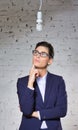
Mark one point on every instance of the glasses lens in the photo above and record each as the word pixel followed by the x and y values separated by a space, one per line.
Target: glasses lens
pixel 35 52
pixel 44 54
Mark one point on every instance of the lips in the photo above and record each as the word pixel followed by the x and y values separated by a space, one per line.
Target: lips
pixel 36 60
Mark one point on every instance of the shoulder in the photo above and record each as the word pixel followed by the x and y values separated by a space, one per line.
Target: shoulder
pixel 54 76
pixel 57 81
pixel 22 80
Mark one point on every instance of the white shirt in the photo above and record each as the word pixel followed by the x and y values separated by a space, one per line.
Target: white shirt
pixel 41 81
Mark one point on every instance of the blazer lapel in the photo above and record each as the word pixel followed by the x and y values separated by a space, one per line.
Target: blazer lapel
pixel 48 87
pixel 38 93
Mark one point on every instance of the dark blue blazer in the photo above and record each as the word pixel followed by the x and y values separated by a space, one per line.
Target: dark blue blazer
pixel 51 110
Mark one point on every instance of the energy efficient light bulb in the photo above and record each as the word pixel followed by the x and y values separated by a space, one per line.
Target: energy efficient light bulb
pixel 39 21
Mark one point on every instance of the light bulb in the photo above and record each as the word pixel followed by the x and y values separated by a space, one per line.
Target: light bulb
pixel 39 27
pixel 39 21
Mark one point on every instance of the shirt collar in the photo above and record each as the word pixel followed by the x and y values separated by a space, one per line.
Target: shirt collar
pixel 42 78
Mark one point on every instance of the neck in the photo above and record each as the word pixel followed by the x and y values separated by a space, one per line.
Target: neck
pixel 42 72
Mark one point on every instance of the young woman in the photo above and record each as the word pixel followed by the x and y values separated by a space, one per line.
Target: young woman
pixel 42 95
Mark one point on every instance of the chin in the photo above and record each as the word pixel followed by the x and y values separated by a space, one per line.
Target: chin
pixel 36 66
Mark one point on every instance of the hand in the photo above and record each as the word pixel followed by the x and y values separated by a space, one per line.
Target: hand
pixel 35 114
pixel 32 76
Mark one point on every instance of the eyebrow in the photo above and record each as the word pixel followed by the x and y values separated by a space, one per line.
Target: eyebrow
pixel 42 51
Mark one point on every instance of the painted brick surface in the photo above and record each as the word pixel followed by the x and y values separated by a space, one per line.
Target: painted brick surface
pixel 18 37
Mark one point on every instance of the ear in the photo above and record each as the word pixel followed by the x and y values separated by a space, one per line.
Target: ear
pixel 50 61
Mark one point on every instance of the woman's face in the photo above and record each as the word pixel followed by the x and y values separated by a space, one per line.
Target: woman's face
pixel 41 57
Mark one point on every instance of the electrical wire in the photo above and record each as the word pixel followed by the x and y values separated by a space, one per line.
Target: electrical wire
pixel 40 4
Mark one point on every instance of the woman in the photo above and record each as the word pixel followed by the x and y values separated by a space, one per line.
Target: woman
pixel 42 95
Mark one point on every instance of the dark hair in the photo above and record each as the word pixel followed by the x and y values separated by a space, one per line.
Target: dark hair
pixel 48 45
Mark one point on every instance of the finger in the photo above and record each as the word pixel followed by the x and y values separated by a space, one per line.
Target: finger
pixel 36 73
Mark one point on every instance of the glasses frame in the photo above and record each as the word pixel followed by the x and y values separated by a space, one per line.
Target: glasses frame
pixel 41 54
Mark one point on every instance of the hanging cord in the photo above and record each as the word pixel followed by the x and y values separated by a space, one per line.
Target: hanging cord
pixel 40 5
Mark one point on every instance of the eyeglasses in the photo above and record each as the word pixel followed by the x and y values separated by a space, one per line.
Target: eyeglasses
pixel 42 54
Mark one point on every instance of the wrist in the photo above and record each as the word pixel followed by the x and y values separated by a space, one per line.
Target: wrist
pixel 30 85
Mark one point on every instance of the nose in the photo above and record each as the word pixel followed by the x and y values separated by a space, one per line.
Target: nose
pixel 38 55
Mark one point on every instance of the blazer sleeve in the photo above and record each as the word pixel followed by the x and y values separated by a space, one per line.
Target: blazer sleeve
pixel 26 97
pixel 60 108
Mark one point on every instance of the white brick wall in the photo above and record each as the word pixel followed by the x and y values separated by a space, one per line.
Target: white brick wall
pixel 18 37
